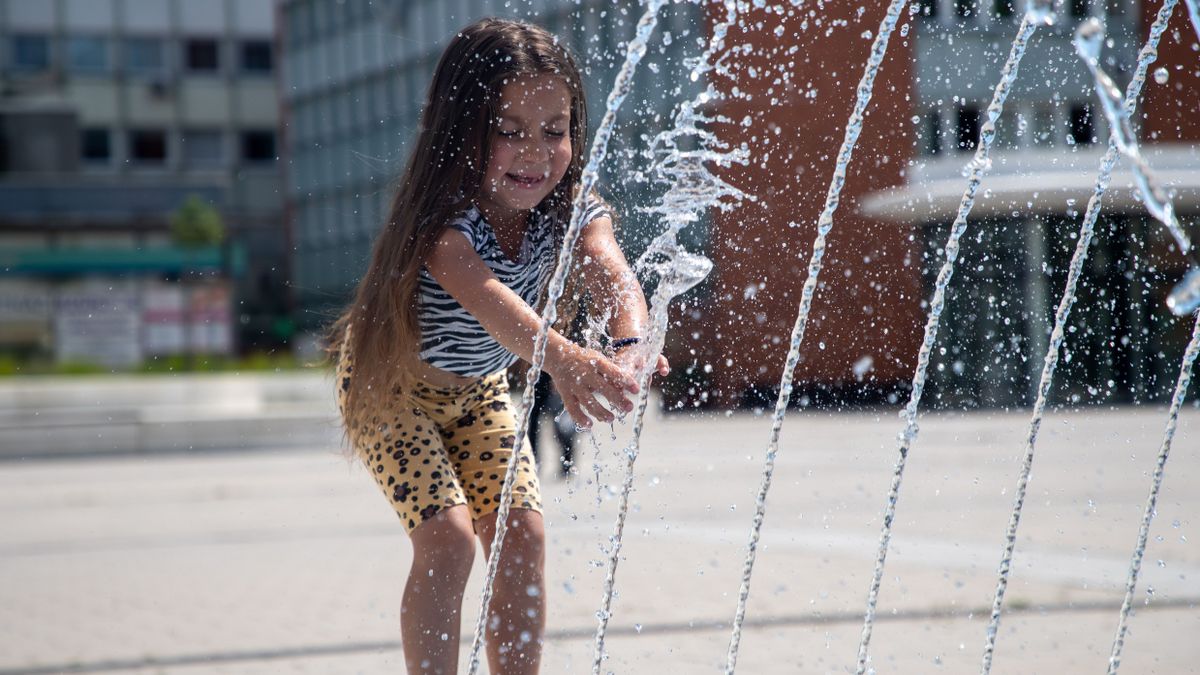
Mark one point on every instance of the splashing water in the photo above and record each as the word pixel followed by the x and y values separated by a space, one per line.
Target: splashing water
pixel 635 50
pixel 1057 336
pixel 1038 13
pixel 679 271
pixel 1139 550
pixel 824 224
pixel 1193 7
pixel 1089 38
pixel 692 189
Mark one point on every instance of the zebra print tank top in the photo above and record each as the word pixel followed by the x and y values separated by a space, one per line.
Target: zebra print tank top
pixel 451 338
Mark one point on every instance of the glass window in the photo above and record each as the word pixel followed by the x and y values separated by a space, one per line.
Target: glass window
pixel 148 146
pixel 87 54
pixel 1008 129
pixel 95 146
pixel 144 55
pixel 257 56
pixel 202 55
pixel 258 145
pixel 31 52
pixel 1043 126
pixel 968 127
pixel 933 133
pixel 203 148
pixel 1082 130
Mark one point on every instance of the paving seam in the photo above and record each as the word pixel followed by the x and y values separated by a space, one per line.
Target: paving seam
pixel 706 625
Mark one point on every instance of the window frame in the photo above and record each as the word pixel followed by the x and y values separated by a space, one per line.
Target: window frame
pixel 188 162
pixel 106 49
pixel 47 47
pixel 186 52
pixel 244 139
pixel 244 46
pixel 95 161
pixel 131 137
pixel 130 41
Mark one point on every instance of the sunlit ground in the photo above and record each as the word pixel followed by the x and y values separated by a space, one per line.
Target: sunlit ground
pixel 290 561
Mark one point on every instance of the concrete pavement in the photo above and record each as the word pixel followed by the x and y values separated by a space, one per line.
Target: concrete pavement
pixel 288 560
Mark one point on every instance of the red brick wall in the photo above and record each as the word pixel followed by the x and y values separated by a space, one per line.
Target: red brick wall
pixel 1171 112
pixel 868 301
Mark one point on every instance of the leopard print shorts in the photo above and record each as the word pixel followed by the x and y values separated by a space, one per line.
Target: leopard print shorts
pixel 442 447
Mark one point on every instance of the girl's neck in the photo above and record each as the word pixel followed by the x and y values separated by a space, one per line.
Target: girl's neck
pixel 501 217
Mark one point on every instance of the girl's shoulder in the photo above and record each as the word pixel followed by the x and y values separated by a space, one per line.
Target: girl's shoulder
pixel 594 207
pixel 469 222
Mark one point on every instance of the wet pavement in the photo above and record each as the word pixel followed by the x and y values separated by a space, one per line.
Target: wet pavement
pixel 287 559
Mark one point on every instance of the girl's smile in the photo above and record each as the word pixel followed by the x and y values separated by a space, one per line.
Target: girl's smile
pixel 527 181
pixel 530 148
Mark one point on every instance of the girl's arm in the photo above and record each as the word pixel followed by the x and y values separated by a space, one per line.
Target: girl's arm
pixel 578 373
pixel 610 280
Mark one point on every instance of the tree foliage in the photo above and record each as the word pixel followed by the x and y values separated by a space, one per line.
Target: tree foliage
pixel 197 224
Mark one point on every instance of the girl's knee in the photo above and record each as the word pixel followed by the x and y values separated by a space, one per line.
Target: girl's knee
pixel 445 543
pixel 527 528
pixel 525 544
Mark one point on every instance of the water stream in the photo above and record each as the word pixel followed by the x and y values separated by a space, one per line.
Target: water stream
pixel 692 189
pixel 634 52
pixel 1038 13
pixel 1057 336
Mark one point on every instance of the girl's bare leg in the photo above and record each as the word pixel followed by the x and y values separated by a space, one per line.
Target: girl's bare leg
pixel 443 549
pixel 517 614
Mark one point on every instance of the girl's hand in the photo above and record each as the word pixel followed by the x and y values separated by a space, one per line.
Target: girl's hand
pixel 631 360
pixel 582 375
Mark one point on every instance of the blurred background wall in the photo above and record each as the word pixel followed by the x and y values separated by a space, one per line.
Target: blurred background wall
pixel 113 113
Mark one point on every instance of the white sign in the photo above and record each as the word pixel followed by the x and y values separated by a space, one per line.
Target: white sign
pixel 98 321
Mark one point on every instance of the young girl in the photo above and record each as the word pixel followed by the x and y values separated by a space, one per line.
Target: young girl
pixel 450 300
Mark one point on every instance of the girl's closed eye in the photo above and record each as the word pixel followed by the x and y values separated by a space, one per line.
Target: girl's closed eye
pixel 518 133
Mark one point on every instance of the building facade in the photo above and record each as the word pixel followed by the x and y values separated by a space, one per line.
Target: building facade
pixel 112 114
pixel 1123 345
pixel 355 76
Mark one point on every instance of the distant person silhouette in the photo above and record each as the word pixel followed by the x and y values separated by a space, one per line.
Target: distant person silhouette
pixel 546 401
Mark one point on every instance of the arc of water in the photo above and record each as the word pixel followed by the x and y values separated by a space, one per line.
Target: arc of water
pixel 693 188
pixel 1038 13
pixel 1194 12
pixel 854 124
pixel 1058 335
pixel 681 272
pixel 1139 549
pixel 1089 39
pixel 634 52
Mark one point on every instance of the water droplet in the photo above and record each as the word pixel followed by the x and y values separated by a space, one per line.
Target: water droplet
pixel 1161 75
pixel 637 627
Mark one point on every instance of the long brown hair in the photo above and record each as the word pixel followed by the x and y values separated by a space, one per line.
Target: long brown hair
pixel 443 176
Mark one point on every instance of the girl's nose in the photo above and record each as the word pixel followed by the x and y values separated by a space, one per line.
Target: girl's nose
pixel 533 149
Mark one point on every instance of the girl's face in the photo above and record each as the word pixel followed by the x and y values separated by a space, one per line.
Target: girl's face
pixel 530 147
